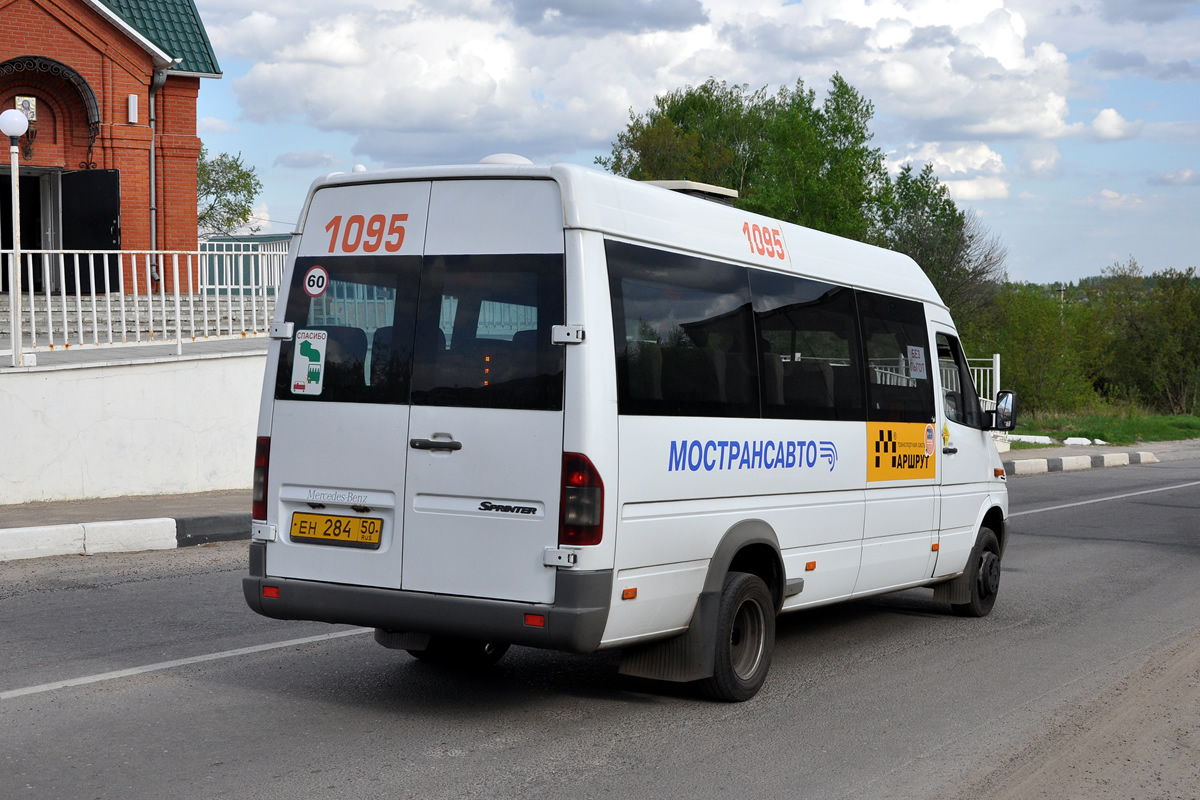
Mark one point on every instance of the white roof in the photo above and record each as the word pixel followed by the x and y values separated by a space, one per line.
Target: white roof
pixel 639 212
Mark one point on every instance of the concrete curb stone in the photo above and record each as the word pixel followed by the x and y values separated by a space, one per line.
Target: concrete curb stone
pixel 1039 466
pixel 121 536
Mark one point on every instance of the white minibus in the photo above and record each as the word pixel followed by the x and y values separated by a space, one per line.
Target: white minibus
pixel 552 407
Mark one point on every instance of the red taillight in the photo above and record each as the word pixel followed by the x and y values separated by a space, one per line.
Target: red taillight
pixel 262 455
pixel 271 592
pixel 581 512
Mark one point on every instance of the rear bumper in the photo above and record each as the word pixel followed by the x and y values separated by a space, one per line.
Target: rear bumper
pixel 575 623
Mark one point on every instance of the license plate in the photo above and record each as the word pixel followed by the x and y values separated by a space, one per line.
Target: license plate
pixel 365 532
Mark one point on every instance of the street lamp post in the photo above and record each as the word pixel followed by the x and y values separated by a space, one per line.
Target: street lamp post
pixel 13 124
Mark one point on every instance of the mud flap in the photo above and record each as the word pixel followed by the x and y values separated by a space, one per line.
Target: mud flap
pixel 687 657
pixel 955 591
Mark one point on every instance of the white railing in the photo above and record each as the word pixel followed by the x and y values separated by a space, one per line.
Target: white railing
pixel 107 298
pixel 986 374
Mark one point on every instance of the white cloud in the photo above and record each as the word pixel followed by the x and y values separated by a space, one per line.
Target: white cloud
pixel 214 125
pixel 955 158
pixel 1184 177
pixel 1109 125
pixel 978 189
pixel 309 159
pixel 1109 200
pixel 415 80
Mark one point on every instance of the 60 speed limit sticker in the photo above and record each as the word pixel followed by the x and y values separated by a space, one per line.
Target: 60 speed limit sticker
pixel 316 281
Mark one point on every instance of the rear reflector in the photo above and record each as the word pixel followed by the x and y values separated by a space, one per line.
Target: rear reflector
pixel 535 620
pixel 581 510
pixel 271 591
pixel 262 455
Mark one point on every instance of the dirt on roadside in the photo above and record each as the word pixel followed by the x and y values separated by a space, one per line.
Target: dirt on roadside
pixel 1140 739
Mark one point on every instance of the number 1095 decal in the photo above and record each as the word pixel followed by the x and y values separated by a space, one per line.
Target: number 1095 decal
pixel 764 241
pixel 366 234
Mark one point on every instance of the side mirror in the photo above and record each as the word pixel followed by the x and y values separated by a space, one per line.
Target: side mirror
pixel 1004 418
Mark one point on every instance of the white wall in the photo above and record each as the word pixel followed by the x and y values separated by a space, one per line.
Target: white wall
pixel 134 429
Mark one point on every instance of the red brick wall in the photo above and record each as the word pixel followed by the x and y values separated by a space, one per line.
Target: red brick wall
pixel 114 66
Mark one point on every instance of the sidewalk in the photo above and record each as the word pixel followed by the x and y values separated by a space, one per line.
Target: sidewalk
pixel 123 524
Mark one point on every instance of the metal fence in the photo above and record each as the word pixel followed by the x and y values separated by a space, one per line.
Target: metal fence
pixel 106 298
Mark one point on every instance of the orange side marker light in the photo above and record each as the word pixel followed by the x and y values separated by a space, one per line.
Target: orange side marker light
pixel 629 594
pixel 935 547
pixel 810 566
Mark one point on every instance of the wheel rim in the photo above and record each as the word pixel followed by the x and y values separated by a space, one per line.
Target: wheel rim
pixel 746 640
pixel 989 574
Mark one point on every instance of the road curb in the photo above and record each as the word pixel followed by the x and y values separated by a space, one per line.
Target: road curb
pixel 121 536
pixel 1041 466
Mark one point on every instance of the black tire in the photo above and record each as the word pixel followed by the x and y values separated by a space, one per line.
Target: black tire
pixel 745 639
pixel 455 651
pixel 983 569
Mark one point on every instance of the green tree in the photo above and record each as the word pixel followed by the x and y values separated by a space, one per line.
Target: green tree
pixel 225 193
pixel 812 164
pixel 786 156
pixel 1037 338
pixel 1155 325
pixel 963 260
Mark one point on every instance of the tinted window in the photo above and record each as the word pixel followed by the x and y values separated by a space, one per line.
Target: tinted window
pixel 959 398
pixel 354 324
pixel 809 356
pixel 483 332
pixel 683 333
pixel 899 364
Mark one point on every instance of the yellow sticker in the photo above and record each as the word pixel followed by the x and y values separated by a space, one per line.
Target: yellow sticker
pixel 896 452
pixel 945 434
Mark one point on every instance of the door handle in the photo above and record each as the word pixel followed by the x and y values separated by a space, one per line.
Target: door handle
pixel 949 450
pixel 434 444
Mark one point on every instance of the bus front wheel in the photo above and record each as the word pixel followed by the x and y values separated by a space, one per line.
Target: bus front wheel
pixel 745 639
pixel 983 570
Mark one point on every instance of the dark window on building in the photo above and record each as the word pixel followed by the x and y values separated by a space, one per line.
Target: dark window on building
pixel 684 334
pixel 898 362
pixel 809 355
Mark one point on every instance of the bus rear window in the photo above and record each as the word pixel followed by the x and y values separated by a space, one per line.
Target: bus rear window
pixel 353 324
pixel 483 332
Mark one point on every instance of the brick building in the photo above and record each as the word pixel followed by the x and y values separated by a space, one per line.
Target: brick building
pixel 110 87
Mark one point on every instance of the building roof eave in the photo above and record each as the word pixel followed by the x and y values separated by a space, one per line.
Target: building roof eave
pixel 161 59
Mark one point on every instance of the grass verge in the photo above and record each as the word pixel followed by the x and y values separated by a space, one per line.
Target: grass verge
pixel 1119 430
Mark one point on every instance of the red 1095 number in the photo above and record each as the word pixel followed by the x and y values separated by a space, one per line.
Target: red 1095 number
pixel 367 234
pixel 764 241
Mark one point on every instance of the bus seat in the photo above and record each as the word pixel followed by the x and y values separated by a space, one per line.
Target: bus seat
pixel 345 355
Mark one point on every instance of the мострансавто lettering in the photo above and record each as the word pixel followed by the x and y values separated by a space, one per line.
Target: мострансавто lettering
pixel 718 455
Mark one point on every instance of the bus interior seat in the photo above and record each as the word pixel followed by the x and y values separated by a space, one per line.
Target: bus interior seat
pixel 345 355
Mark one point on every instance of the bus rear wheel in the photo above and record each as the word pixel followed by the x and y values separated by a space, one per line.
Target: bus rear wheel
pixel 983 569
pixel 745 639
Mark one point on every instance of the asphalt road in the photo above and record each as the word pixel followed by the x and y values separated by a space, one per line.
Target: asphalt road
pixel 886 697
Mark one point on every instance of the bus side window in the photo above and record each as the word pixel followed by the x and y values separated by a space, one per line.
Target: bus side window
pixel 684 334
pixel 808 348
pixel 899 364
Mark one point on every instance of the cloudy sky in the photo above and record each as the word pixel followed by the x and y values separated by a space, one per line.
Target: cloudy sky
pixel 1071 126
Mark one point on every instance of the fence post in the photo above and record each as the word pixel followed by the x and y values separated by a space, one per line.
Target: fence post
pixel 178 311
pixel 995 375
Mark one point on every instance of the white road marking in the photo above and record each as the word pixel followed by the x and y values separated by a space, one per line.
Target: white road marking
pixel 1103 499
pixel 125 673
